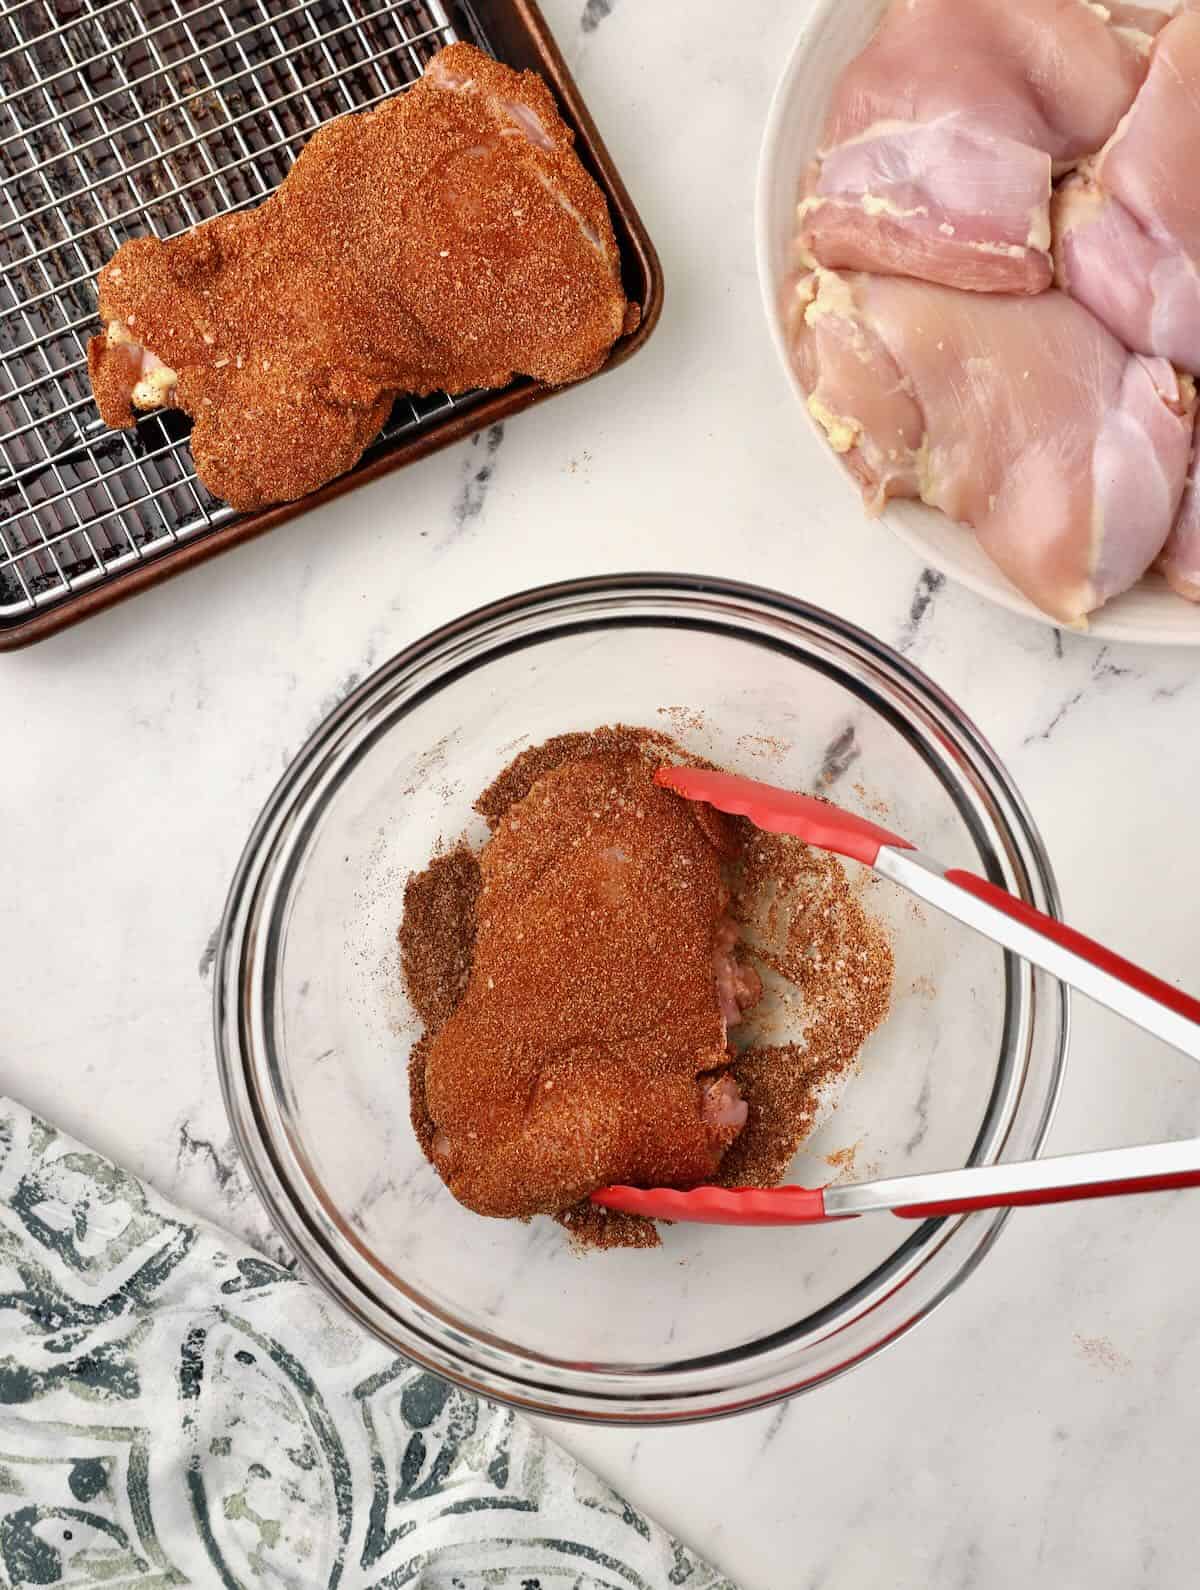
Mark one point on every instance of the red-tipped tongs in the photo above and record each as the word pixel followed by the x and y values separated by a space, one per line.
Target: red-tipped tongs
pixel 1140 997
pixel 1109 1173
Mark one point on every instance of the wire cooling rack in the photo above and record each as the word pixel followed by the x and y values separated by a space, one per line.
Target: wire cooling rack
pixel 121 117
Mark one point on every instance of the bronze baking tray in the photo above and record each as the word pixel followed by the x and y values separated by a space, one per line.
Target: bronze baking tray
pixel 138 115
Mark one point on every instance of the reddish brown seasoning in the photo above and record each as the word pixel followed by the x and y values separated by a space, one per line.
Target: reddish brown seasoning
pixel 523 772
pixel 591 1227
pixel 827 964
pixel 437 935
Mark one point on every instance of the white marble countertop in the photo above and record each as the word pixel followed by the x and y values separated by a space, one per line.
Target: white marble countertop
pixel 1040 1428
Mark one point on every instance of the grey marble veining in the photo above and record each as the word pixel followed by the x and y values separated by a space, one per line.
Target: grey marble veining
pixel 1039 1429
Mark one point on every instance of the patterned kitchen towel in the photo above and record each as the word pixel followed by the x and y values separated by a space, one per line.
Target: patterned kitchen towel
pixel 176 1410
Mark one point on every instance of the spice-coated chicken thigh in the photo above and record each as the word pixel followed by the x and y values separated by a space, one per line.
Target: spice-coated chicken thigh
pixel 446 240
pixel 590 1044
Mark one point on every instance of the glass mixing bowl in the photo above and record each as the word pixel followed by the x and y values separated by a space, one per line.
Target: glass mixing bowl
pixel 313 1027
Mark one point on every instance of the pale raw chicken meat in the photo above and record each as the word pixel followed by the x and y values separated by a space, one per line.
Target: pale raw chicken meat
pixel 945 133
pixel 738 984
pixel 1147 19
pixel 1127 227
pixel 1180 561
pixel 1022 417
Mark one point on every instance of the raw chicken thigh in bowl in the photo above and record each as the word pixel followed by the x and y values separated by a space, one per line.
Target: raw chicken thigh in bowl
pixel 956 201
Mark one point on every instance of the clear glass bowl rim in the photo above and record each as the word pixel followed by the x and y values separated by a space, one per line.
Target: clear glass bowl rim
pixel 925 1269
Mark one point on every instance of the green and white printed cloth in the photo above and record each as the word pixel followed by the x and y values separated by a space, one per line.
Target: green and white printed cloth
pixel 176 1410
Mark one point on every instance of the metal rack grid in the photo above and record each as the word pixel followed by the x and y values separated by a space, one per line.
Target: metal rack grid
pixel 119 117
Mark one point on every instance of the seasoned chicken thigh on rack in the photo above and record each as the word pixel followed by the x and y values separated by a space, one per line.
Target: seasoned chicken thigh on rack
pixel 448 239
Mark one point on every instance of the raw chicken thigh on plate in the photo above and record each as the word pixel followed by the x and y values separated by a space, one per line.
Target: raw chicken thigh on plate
pixel 1127 226
pixel 1022 417
pixel 981 368
pixel 1180 561
pixel 944 134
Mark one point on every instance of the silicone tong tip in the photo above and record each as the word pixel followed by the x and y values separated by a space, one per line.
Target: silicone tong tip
pixel 783 811
pixel 724 1206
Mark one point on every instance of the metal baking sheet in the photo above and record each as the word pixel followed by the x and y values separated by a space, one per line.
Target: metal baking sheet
pixel 121 117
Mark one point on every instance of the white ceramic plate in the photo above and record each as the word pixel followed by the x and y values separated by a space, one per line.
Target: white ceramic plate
pixel 1151 613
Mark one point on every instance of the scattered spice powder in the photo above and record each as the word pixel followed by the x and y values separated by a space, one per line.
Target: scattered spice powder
pixel 843 1158
pixel 1101 1354
pixel 877 808
pixel 437 934
pixel 525 769
pixel 589 1226
pixel 827 968
pixel 684 719
pixel 418 1109
pixel 763 745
